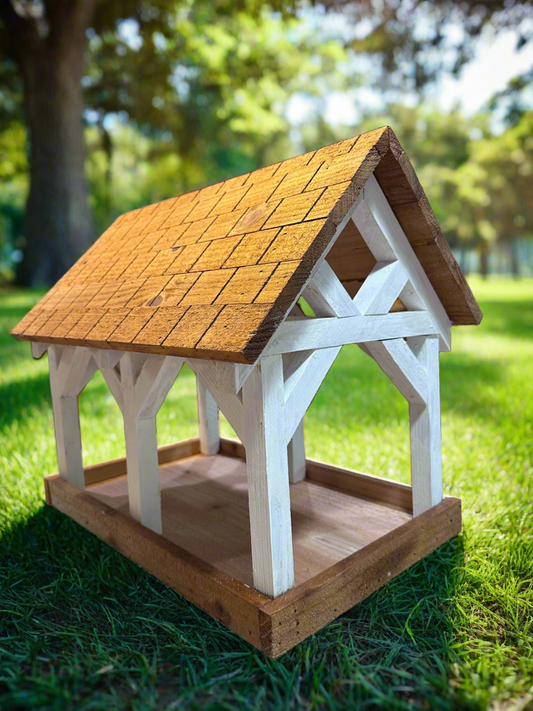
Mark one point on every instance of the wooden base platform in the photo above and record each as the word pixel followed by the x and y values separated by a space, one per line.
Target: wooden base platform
pixel 352 533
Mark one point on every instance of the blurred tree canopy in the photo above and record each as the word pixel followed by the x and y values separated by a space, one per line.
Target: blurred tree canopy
pixel 129 101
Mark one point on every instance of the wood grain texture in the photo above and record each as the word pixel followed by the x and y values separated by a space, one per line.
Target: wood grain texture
pixel 347 543
pixel 285 215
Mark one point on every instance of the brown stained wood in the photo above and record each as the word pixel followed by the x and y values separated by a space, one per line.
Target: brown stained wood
pixel 186 258
pixel 176 288
pixel 285 215
pixel 294 182
pixel 345 546
pixel 191 327
pixel 234 328
pixel 105 327
pixel 216 254
pixel 133 323
pixel 227 600
pixel 148 291
pixel 207 287
pixel 293 209
pixel 276 283
pixel 254 218
pixel 292 617
pixel 251 248
pixel 293 242
pixel 365 486
pixel 160 325
pixel 245 284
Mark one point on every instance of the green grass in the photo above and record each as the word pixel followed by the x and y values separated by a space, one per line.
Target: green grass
pixel 83 628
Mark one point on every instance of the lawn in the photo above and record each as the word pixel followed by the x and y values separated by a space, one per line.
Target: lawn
pixel 83 628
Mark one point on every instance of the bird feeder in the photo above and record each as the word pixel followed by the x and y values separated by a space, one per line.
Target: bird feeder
pixel 270 543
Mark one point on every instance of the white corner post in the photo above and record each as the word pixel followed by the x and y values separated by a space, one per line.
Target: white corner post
pixel 145 382
pixel 71 368
pixel 207 420
pixel 425 425
pixel 296 455
pixel 268 478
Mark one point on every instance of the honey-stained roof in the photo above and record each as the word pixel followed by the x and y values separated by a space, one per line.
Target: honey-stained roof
pixel 212 273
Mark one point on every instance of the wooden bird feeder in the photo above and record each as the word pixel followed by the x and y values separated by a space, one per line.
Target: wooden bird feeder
pixel 271 544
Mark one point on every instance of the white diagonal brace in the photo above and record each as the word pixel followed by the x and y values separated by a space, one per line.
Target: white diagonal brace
pixel 392 231
pixel 326 295
pixel 230 405
pixel 155 380
pixel 397 361
pixel 312 373
pixel 381 288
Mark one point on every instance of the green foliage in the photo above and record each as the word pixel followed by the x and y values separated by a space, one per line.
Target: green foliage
pixel 83 628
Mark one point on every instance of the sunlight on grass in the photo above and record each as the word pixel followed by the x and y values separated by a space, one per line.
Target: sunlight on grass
pixel 82 627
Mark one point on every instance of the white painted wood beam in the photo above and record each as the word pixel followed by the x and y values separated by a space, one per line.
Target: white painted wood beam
pixel 313 372
pixel 381 288
pixel 375 201
pixel 268 479
pixel 296 455
pixel 397 361
pixel 326 295
pixel 425 425
pixel 207 420
pixel 70 370
pixel 309 334
pixel 38 349
pixel 230 405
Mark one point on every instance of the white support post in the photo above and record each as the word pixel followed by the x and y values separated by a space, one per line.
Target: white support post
pixel 268 478
pixel 296 454
pixel 141 449
pixel 70 371
pixel 426 457
pixel 207 420
pixel 144 384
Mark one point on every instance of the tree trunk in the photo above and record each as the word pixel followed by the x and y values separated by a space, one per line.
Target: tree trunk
pixel 484 258
pixel 58 227
pixel 50 53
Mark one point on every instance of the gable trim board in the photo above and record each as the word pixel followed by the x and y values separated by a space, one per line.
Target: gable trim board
pixel 213 273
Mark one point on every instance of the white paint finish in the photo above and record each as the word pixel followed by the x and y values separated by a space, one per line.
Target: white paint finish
pixel 230 377
pixel 392 231
pixel 141 449
pixel 326 295
pixel 268 479
pixel 313 372
pixel 372 234
pixel 410 298
pixel 397 361
pixel 381 288
pixel 230 405
pixel 153 383
pixel 292 369
pixel 38 349
pixel 207 420
pixel 426 456
pixel 75 370
pixel 112 378
pixel 296 455
pixel 106 359
pixel 309 334
pixel 143 471
pixel 68 376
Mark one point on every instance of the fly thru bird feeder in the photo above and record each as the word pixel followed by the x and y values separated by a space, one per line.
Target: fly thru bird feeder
pixel 271 544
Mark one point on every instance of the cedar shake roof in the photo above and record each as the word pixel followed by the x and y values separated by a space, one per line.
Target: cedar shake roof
pixel 212 273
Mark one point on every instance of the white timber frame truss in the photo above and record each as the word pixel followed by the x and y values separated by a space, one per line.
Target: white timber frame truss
pixel 265 403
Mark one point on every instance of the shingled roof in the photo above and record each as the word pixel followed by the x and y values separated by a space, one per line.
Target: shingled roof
pixel 212 273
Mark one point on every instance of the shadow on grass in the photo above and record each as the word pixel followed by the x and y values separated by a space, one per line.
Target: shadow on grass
pixel 89 629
